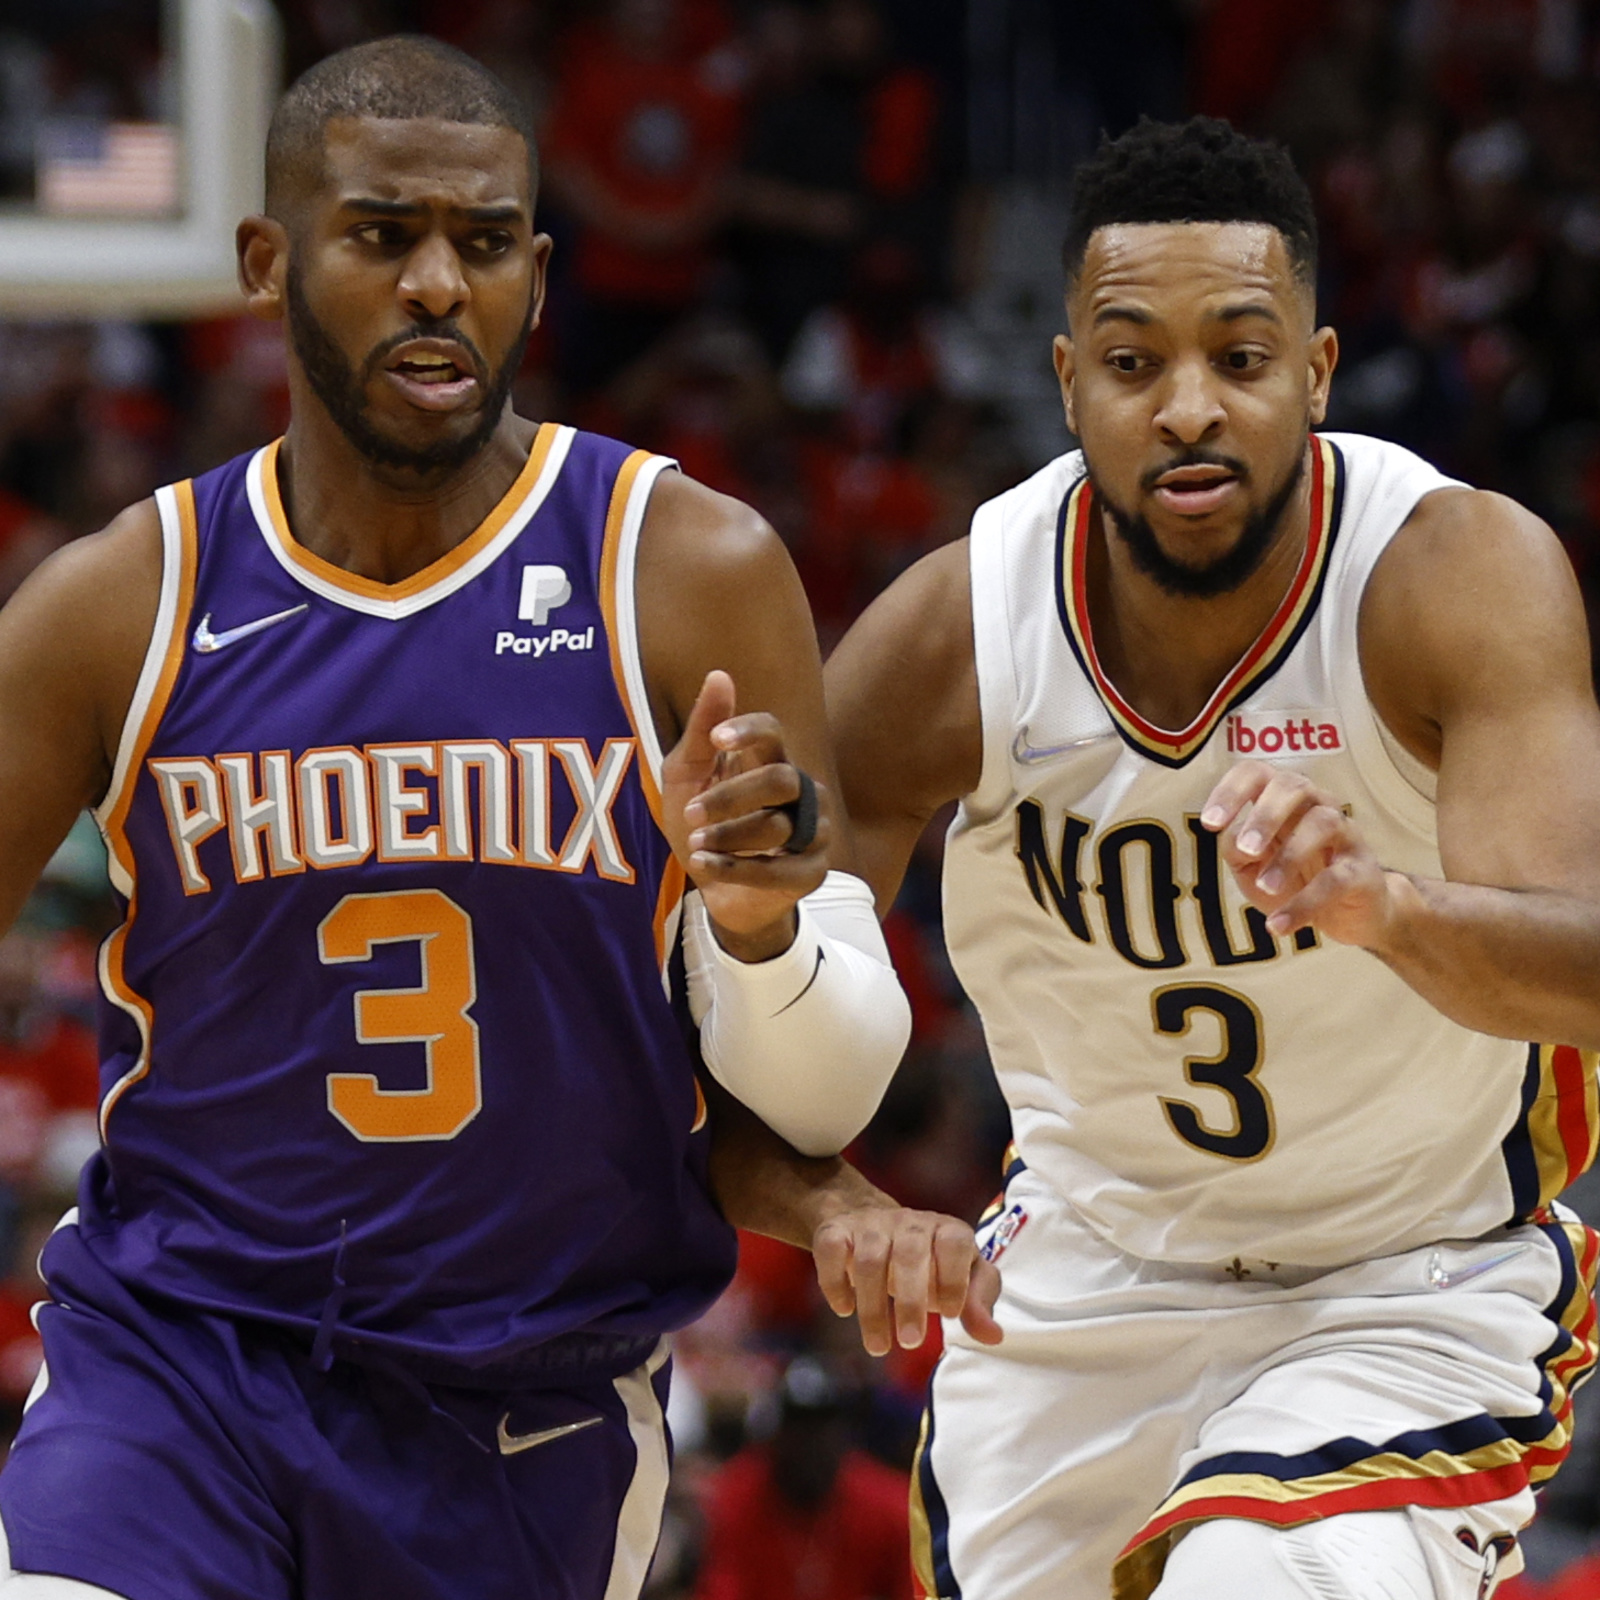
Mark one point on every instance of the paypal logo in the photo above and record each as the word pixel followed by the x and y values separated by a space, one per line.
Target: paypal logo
pixel 543 590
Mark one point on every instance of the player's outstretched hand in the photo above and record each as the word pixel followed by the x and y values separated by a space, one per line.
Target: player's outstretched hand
pixel 893 1266
pixel 724 789
pixel 1297 857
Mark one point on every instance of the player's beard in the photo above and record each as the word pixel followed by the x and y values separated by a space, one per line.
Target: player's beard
pixel 342 389
pixel 1229 571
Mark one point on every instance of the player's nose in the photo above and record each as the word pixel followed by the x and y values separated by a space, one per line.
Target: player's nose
pixel 1190 403
pixel 433 286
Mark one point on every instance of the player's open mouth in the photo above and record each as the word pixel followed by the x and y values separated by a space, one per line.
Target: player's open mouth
pixel 1195 491
pixel 433 374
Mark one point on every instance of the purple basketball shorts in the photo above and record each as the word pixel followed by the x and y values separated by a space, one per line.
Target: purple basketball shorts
pixel 176 1455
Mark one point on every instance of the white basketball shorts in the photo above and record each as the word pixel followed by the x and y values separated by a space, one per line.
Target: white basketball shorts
pixel 1133 1400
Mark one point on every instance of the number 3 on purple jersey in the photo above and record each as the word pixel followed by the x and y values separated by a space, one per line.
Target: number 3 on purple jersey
pixel 433 1015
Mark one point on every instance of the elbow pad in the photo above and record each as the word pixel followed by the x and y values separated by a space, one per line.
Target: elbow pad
pixel 808 1040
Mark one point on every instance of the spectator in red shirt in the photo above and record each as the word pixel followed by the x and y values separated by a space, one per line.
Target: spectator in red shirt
pixel 640 142
pixel 804 1516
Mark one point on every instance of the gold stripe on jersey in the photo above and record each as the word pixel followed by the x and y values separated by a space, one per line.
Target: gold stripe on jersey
pixel 1563 1119
pixel 1425 1468
pixel 1173 748
pixel 921 1529
pixel 1378 1483
pixel 112 976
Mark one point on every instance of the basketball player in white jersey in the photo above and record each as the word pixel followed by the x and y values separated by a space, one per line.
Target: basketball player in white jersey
pixel 1278 841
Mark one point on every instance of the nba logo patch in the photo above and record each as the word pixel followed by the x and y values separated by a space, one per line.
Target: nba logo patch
pixel 1004 1232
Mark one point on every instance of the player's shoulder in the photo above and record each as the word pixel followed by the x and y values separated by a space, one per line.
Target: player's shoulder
pixel 101 576
pixel 1368 454
pixel 704 533
pixel 935 586
pixel 1471 584
pixel 78 627
pixel 1034 502
pixel 1430 528
pixel 1458 539
pixel 1376 485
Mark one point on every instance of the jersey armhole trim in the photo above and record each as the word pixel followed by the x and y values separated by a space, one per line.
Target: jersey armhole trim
pixel 630 499
pixel 163 657
pixel 1372 742
pixel 993 663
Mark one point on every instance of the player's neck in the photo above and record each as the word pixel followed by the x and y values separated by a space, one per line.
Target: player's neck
pixel 373 523
pixel 1167 653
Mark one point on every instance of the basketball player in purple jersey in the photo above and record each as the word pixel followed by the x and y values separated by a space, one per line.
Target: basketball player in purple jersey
pixel 408 735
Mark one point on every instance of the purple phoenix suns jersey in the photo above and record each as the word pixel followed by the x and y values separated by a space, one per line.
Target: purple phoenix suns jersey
pixel 389 1046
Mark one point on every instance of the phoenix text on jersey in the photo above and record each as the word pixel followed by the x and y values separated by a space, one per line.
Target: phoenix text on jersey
pixel 340 806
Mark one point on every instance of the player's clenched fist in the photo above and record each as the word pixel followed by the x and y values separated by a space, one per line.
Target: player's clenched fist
pixel 892 1266
pixel 1297 857
pixel 732 802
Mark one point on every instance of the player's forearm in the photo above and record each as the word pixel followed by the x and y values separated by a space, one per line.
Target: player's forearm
pixel 1519 964
pixel 768 1187
pixel 809 1039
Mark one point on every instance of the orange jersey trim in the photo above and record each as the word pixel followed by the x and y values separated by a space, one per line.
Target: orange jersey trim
pixel 610 551
pixel 435 572
pixel 112 971
pixel 668 899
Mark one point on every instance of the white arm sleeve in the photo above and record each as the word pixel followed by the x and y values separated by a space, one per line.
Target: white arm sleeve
pixel 808 1040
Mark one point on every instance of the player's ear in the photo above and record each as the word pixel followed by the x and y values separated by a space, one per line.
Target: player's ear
pixel 263 248
pixel 541 268
pixel 1322 356
pixel 1066 370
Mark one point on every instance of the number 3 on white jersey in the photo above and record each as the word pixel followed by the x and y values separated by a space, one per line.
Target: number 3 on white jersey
pixel 433 1015
pixel 1232 1069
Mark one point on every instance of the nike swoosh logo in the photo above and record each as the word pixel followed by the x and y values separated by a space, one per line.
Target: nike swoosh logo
pixel 205 641
pixel 822 955
pixel 514 1443
pixel 1029 755
pixel 1439 1278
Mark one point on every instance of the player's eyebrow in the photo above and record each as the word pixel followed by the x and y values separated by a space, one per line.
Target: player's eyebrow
pixel 1249 308
pixel 508 211
pixel 1132 314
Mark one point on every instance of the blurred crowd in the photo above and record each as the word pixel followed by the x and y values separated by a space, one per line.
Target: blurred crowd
pixel 809 248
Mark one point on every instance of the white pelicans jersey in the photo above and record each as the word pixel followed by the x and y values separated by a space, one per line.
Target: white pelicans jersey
pixel 1196 1089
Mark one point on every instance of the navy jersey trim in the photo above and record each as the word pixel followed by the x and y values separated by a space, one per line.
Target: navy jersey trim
pixel 930 1520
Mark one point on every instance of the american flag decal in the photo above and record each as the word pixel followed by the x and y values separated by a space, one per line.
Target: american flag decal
pixel 119 169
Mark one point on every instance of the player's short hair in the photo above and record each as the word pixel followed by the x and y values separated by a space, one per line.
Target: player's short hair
pixel 405 75
pixel 1202 170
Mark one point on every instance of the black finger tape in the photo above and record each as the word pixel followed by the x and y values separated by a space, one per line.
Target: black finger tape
pixel 802 815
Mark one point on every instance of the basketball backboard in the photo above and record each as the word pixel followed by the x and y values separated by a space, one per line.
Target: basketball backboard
pixel 115 209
